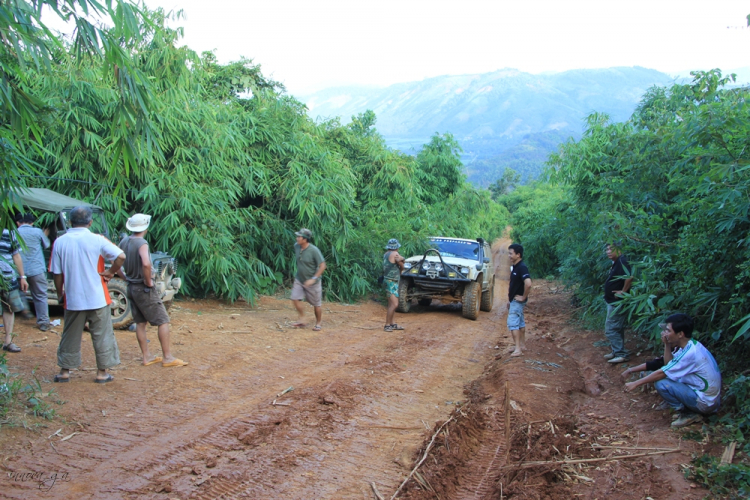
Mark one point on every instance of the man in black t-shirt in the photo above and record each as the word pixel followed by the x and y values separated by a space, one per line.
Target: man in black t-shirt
pixel 618 282
pixel 518 294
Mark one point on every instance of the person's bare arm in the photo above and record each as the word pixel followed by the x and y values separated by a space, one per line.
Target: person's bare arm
pixel 653 377
pixel 639 368
pixel 667 350
pixel 58 278
pixel 146 261
pixel 526 291
pixel 116 265
pixel 317 275
pixel 19 266
pixel 625 287
pixel 398 260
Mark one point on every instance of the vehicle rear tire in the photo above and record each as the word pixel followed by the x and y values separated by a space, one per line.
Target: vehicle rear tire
pixel 404 303
pixel 488 297
pixel 424 302
pixel 122 315
pixel 471 300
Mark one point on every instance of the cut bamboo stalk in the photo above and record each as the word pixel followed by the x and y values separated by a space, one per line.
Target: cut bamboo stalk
pixel 630 447
pixel 424 457
pixel 375 490
pixel 588 460
pixel 728 455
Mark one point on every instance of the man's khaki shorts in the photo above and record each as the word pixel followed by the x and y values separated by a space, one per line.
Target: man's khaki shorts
pixel 313 294
pixel 146 306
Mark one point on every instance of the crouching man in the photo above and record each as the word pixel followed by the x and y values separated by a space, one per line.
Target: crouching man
pixel 689 380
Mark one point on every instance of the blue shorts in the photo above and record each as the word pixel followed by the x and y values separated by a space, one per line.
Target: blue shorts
pixel 515 316
pixel 391 287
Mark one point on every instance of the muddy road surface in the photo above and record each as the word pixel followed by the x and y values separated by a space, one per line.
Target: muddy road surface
pixel 362 401
pixel 264 410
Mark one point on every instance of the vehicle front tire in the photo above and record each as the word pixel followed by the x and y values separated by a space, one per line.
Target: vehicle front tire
pixel 122 315
pixel 488 297
pixel 471 300
pixel 404 303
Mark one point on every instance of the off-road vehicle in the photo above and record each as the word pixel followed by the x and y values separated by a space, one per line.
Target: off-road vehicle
pixel 53 208
pixel 452 270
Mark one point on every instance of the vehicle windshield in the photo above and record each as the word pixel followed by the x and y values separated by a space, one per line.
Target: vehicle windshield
pixel 456 248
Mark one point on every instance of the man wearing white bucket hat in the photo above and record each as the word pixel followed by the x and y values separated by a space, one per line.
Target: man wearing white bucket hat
pixel 145 302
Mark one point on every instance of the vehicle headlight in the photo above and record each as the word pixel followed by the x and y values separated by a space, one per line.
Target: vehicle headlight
pixel 438 267
pixel 426 265
pixel 465 270
pixel 407 265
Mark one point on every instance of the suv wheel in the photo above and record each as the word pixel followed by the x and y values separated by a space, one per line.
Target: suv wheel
pixel 122 316
pixel 471 300
pixel 488 297
pixel 404 303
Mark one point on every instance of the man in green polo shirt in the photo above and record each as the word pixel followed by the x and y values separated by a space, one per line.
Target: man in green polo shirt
pixel 310 266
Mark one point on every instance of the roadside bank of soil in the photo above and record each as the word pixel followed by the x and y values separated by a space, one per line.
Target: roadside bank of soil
pixel 561 401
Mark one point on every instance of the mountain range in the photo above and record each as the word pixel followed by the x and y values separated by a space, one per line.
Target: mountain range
pixel 506 118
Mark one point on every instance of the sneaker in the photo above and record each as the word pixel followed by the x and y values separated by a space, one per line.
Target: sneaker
pixel 619 359
pixel 44 327
pixel 609 356
pixel 687 418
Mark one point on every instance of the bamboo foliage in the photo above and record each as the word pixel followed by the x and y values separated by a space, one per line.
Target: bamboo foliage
pixel 230 166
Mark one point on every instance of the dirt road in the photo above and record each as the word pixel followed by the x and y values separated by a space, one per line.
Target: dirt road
pixel 361 403
pixel 360 407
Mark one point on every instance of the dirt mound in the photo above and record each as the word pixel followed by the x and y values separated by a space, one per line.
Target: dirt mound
pixel 571 428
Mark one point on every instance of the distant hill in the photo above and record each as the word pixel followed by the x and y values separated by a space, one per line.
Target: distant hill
pixel 501 119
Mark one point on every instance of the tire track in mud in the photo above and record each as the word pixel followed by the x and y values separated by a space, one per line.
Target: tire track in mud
pixel 478 481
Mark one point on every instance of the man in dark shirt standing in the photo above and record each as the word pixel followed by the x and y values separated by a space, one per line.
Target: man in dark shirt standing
pixel 518 294
pixel 617 283
pixel 145 301
pixel 310 266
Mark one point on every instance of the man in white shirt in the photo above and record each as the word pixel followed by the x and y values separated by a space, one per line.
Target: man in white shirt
pixel 81 282
pixel 689 381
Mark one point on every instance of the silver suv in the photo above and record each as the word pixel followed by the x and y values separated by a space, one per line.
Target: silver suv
pixel 452 270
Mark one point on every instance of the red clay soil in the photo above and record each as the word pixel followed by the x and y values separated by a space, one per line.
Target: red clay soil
pixel 362 407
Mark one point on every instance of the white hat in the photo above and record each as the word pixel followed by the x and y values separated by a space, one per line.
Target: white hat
pixel 138 223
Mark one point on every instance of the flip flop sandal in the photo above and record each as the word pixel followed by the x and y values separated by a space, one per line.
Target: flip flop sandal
pixel 175 362
pixel 11 347
pixel 109 378
pixel 387 328
pixel 317 328
pixel 394 326
pixel 61 379
pixel 299 325
pixel 157 359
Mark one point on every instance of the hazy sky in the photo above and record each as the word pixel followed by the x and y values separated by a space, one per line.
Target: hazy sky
pixel 313 44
